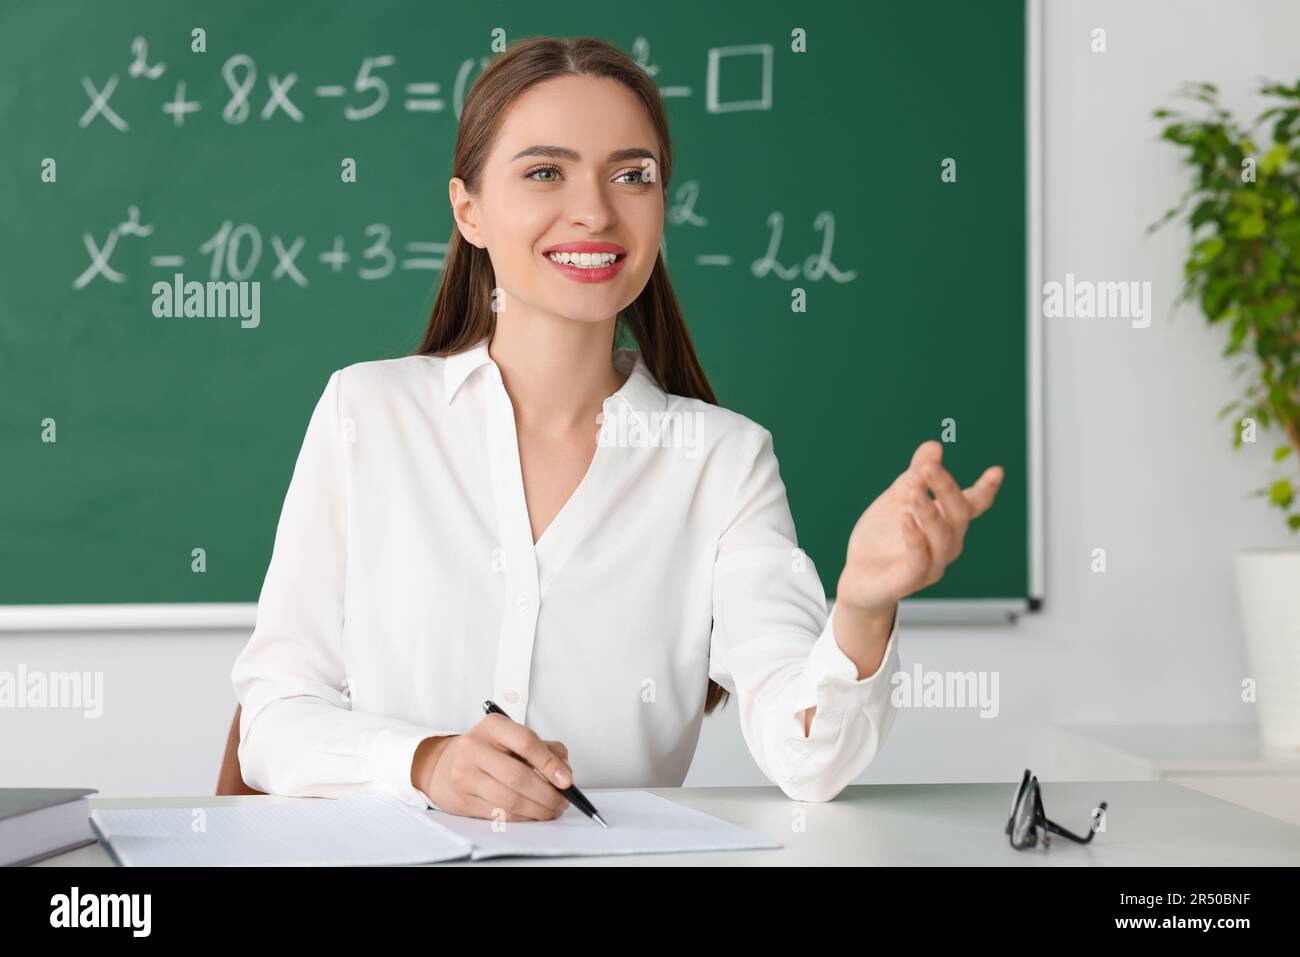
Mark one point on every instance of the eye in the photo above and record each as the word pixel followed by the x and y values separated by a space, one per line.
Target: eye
pixel 554 170
pixel 557 172
pixel 636 175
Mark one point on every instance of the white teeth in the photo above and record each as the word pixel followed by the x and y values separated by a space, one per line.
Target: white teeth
pixel 584 260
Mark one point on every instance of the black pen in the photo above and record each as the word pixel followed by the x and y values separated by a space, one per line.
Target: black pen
pixel 576 797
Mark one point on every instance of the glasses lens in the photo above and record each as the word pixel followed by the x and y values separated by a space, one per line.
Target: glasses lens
pixel 1019 795
pixel 1022 816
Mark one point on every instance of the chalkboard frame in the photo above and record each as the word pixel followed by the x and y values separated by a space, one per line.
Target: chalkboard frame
pixel 241 616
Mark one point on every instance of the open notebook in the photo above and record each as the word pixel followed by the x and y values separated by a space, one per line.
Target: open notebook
pixel 375 830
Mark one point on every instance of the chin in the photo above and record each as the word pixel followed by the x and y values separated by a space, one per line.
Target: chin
pixel 588 312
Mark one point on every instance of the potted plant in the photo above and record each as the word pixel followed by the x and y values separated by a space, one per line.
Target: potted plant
pixel 1243 269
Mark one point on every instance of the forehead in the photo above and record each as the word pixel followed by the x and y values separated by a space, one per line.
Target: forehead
pixel 593 115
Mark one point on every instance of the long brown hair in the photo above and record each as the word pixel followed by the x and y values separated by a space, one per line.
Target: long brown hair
pixel 462 312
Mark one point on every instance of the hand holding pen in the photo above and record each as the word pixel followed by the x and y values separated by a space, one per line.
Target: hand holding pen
pixel 562 776
pixel 494 767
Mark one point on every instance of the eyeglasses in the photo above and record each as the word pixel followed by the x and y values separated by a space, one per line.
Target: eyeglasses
pixel 1028 824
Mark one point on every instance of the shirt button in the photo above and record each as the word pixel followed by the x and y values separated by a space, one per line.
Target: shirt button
pixel 512 696
pixel 523 600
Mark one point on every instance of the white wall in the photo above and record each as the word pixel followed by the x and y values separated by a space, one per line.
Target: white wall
pixel 1136 463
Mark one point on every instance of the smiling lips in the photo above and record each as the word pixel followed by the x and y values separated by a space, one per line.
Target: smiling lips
pixel 587 261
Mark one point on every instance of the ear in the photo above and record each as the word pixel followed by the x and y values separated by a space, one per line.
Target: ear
pixel 464 211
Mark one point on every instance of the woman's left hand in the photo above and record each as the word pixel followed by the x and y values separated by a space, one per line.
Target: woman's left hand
pixel 905 540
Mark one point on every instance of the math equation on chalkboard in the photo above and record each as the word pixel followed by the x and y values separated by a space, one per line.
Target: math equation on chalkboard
pixel 371 89
pixel 238 252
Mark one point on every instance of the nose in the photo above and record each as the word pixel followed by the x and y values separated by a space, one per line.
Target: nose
pixel 590 205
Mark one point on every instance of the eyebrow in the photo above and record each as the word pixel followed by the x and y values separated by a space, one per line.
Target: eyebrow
pixel 563 152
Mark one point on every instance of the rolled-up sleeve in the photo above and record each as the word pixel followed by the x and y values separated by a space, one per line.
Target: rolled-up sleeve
pixel 773 645
pixel 299 734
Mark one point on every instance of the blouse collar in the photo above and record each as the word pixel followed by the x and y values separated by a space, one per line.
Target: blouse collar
pixel 640 393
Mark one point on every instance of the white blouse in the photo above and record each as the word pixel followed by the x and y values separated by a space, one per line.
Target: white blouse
pixel 404 589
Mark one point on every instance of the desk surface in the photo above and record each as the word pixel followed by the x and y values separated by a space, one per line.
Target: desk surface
pixel 1149 823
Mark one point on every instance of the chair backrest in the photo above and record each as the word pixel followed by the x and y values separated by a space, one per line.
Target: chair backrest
pixel 230 780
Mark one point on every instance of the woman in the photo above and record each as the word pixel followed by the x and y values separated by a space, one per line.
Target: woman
pixel 520 512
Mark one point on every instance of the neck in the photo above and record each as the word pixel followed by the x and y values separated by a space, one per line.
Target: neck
pixel 557 372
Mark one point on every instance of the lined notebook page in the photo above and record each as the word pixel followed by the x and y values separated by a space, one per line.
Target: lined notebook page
pixel 368 830
pixel 639 823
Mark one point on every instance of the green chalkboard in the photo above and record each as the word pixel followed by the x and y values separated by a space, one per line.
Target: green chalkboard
pixel 817 169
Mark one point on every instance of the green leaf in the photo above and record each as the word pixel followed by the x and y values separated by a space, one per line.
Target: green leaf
pixel 1273 160
pixel 1207 250
pixel 1279 493
pixel 1239 329
pixel 1270 266
pixel 1251 227
pixel 1282 129
pixel 1281 452
pixel 1215 298
pixel 1205 212
pixel 1293 521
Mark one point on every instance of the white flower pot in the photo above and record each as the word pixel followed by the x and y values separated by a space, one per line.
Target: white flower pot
pixel 1268 593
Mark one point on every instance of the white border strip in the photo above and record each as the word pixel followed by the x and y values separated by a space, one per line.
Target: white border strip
pixel 124 617
pixel 1034 249
pixel 961 611
pixel 958 611
pixel 241 616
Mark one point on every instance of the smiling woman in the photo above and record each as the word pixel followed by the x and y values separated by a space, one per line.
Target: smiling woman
pixel 520 196
pixel 461 526
pixel 577 161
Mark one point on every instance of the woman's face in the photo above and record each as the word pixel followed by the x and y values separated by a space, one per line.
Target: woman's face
pixel 574 170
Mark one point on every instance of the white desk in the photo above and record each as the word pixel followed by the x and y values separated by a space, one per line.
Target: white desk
pixel 1148 823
